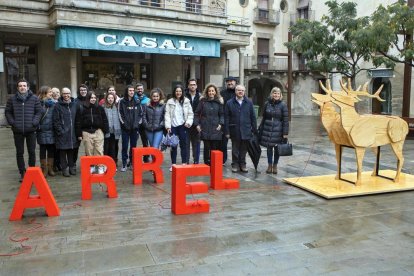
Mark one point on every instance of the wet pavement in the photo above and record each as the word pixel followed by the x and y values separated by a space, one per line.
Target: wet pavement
pixel 265 227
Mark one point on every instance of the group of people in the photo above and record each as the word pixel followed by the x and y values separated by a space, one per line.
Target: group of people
pixel 60 123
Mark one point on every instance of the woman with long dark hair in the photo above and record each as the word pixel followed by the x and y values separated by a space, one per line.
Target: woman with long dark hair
pixel 178 119
pixel 112 137
pixel 91 126
pixel 153 119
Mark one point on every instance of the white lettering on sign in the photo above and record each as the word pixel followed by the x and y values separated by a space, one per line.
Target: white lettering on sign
pixel 183 46
pixel 146 42
pixel 149 42
pixel 167 44
pixel 102 39
pixel 129 41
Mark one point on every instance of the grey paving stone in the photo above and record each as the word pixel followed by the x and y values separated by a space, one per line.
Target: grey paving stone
pixel 265 228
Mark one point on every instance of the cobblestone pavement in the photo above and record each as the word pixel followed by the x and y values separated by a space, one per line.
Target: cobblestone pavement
pixel 266 227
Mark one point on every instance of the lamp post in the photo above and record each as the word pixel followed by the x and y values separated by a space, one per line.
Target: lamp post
pixel 290 76
pixel 407 73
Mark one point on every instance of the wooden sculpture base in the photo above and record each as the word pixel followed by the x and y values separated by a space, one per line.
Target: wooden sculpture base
pixel 326 186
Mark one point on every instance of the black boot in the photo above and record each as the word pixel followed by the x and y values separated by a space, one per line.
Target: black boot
pixel 72 170
pixel 65 172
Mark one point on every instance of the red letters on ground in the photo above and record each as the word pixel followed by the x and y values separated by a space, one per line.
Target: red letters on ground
pixel 180 188
pixel 43 199
pixel 87 179
pixel 217 182
pixel 140 166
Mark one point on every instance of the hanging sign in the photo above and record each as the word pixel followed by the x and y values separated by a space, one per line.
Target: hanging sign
pixel 115 40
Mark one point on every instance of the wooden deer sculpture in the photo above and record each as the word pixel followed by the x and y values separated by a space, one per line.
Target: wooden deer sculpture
pixel 360 131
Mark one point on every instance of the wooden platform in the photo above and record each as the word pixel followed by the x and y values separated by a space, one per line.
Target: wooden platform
pixel 326 186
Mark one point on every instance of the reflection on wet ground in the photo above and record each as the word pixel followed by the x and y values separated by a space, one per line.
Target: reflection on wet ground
pixel 265 227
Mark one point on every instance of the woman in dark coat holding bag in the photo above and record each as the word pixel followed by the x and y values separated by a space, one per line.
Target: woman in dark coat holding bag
pixel 274 127
pixel 209 120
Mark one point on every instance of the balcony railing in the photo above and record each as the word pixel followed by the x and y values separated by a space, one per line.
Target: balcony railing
pixel 263 16
pixel 211 7
pixel 294 17
pixel 273 64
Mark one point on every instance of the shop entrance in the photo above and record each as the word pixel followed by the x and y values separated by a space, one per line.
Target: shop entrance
pixel 104 69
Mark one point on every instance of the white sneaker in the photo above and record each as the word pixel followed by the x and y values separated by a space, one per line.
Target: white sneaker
pixel 170 169
pixel 123 169
pixel 101 170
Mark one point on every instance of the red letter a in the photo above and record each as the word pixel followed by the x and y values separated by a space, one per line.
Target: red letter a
pixel 43 199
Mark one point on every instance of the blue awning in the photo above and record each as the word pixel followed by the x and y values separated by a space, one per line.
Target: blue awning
pixel 115 40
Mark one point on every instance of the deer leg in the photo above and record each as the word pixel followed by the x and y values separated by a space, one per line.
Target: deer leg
pixel 397 149
pixel 338 160
pixel 375 151
pixel 359 152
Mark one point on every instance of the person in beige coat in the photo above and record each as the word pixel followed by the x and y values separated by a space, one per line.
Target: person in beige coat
pixel 178 119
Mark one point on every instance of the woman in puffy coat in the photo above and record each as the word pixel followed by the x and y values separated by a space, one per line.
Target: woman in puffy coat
pixel 274 127
pixel 65 137
pixel 91 127
pixel 153 119
pixel 178 119
pixel 45 135
pixel 112 137
pixel 209 120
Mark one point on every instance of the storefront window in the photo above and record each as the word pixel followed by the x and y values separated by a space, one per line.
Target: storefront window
pixel 20 63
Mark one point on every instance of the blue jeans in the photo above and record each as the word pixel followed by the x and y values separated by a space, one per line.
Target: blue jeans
pixel 129 138
pixel 154 138
pixel 181 132
pixel 270 155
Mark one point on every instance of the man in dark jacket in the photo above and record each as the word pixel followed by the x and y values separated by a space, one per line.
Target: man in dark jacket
pixel 144 100
pixel 23 112
pixel 130 115
pixel 227 94
pixel 80 99
pixel 193 95
pixel 240 124
pixel 64 116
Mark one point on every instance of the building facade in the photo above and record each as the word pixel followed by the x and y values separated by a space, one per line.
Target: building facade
pixel 159 43
pixel 266 62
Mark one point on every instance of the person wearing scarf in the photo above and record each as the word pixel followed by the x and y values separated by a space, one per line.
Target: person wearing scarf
pixel 112 137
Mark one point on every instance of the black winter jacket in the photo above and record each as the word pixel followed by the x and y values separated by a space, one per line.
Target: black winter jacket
pixel 23 116
pixel 45 132
pixel 130 114
pixel 275 123
pixel 153 119
pixel 240 120
pixel 227 95
pixel 64 125
pixel 90 119
pixel 209 115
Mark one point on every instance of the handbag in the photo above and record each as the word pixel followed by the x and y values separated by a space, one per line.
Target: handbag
pixel 285 148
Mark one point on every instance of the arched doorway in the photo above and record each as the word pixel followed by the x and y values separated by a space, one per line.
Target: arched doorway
pixel 382 107
pixel 259 90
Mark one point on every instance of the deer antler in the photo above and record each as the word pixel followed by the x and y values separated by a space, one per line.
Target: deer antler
pixel 328 88
pixel 361 92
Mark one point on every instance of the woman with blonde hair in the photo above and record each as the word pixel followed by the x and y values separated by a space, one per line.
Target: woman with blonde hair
pixel 274 127
pixel 209 120
pixel 55 94
pixel 45 135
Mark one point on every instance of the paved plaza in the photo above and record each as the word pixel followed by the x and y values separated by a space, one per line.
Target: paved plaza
pixel 267 227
